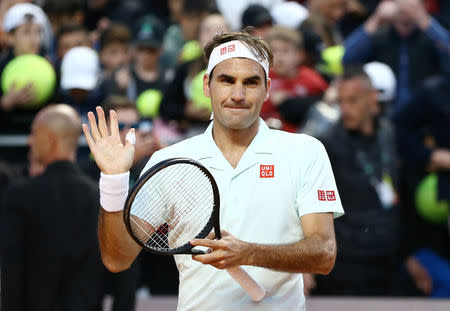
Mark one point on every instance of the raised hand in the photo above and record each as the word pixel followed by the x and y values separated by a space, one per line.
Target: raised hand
pixel 18 97
pixel 111 156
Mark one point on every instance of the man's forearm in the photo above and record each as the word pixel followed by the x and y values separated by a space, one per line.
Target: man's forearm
pixel 314 254
pixel 117 247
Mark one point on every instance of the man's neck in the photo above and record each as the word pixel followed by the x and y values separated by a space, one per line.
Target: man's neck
pixel 233 143
pixel 368 129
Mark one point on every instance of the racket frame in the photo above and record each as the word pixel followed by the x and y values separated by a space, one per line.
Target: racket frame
pixel 213 221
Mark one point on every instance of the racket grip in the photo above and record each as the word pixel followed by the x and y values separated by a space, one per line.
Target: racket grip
pixel 254 290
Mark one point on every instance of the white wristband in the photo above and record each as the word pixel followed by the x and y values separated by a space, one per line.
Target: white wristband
pixel 113 191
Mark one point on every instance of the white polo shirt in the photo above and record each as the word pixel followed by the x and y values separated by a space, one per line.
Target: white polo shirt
pixel 281 177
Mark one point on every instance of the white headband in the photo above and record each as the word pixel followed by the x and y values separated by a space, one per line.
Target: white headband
pixel 233 49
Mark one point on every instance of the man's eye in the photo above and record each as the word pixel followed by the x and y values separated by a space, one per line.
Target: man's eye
pixel 251 82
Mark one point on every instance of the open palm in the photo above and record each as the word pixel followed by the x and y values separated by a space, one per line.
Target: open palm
pixel 111 156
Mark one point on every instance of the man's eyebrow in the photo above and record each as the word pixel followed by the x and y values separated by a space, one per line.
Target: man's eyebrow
pixel 253 78
pixel 224 76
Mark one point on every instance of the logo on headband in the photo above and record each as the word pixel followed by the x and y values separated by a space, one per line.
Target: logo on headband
pixel 227 49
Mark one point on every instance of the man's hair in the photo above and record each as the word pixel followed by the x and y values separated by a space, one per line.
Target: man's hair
pixel 64 7
pixel 71 28
pixel 256 45
pixel 116 33
pixel 117 102
pixel 287 35
pixel 197 7
pixel 356 71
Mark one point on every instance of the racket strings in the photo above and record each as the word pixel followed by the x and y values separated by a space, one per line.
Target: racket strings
pixel 172 207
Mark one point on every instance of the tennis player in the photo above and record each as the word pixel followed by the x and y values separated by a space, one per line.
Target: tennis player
pixel 277 189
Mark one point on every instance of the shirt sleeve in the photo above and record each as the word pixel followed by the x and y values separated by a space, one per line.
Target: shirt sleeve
pixel 358 47
pixel 441 39
pixel 317 191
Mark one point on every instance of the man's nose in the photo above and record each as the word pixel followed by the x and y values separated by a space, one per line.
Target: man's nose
pixel 238 92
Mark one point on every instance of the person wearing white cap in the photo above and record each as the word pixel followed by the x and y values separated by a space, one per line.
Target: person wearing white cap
pixel 384 81
pixel 362 152
pixel 27 32
pixel 289 14
pixel 80 71
pixel 278 224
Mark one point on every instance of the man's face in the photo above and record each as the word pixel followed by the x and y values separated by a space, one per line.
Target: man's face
pixel 146 57
pixel 38 141
pixel 404 25
pixel 114 55
pixel 357 102
pixel 237 92
pixel 332 10
pixel 26 39
pixel 286 57
pixel 70 40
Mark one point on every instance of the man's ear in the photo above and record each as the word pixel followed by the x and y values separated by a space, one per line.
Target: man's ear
pixel 206 89
pixel 269 82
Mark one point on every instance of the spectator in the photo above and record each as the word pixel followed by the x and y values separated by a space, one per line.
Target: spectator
pixel 289 14
pixel 232 10
pixel 64 12
pixel 144 72
pixel 427 114
pixel 294 87
pixel 177 35
pixel 323 20
pixel 25 26
pixel 69 36
pixel 258 17
pixel 413 44
pixel 177 104
pixel 80 70
pixel 361 149
pixel 41 269
pixel 325 113
pixel 114 48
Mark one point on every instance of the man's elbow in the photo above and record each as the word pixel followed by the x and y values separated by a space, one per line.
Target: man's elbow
pixel 114 265
pixel 328 257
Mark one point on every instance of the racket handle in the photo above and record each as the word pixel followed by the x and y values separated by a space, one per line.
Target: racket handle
pixel 254 290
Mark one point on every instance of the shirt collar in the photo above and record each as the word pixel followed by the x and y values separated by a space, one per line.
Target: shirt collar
pixel 261 143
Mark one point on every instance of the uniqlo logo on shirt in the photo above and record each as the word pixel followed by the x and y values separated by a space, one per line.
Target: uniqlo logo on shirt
pixel 321 195
pixel 266 171
pixel 327 195
pixel 331 196
pixel 223 50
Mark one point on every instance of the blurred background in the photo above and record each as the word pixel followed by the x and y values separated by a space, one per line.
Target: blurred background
pixel 370 79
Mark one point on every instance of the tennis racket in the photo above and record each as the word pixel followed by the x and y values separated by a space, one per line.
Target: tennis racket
pixel 174 202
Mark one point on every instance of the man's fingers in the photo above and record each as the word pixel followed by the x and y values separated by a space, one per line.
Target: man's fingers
pixel 88 136
pixel 209 258
pixel 113 123
pixel 204 242
pixel 103 128
pixel 93 124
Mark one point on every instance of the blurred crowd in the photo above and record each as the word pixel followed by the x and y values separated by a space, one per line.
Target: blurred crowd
pixel 370 79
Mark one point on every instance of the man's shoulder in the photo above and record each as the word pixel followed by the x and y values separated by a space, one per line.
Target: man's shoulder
pixel 294 142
